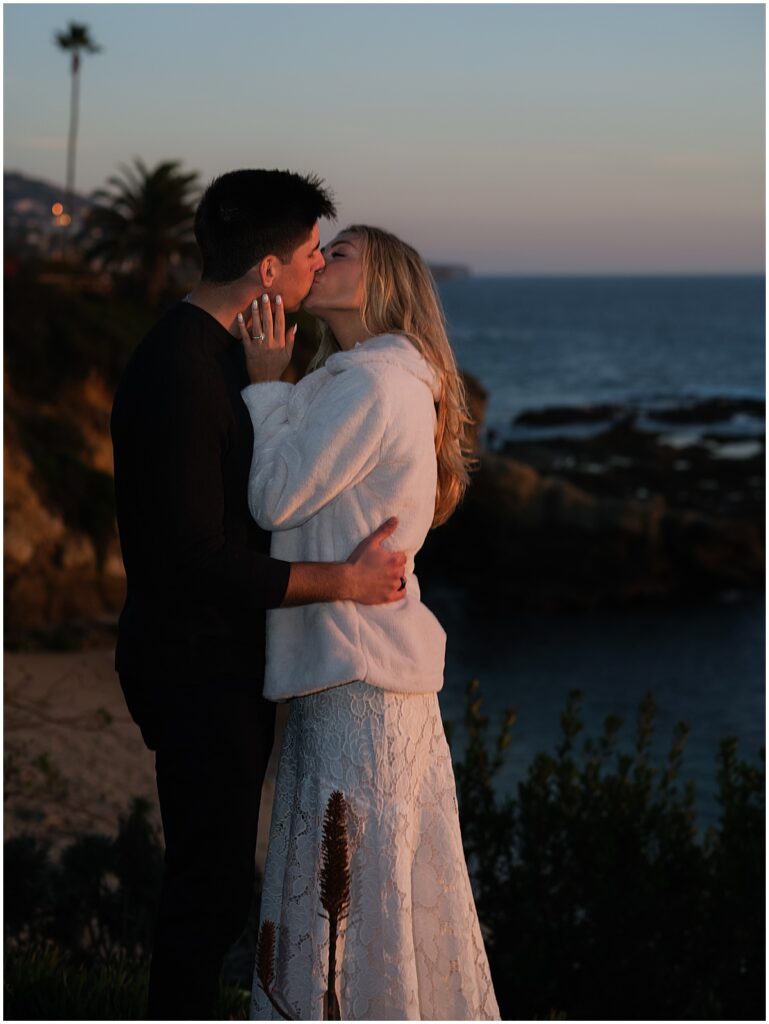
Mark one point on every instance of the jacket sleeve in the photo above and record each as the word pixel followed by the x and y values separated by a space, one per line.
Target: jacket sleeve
pixel 298 468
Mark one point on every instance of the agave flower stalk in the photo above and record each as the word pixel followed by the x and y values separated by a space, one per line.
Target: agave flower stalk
pixel 265 965
pixel 334 889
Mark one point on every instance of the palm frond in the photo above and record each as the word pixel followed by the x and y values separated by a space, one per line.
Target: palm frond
pixel 142 218
pixel 77 37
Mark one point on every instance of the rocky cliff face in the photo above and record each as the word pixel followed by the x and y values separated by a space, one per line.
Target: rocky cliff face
pixel 64 579
pixel 64 350
pixel 539 541
pixel 613 519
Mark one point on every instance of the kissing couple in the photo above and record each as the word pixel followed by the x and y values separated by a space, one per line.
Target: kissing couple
pixel 269 531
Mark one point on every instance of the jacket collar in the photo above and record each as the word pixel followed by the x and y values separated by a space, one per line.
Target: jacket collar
pixel 392 349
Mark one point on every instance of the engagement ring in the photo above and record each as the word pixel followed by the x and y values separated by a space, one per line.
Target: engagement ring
pixel 258 337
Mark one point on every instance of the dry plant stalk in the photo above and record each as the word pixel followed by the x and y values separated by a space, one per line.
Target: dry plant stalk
pixel 335 899
pixel 334 889
pixel 265 965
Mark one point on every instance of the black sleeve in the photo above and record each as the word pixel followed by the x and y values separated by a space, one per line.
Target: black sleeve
pixel 190 418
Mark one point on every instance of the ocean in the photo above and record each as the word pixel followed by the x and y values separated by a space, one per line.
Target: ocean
pixel 641 343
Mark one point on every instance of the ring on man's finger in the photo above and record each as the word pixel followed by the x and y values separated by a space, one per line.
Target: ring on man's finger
pixel 403 583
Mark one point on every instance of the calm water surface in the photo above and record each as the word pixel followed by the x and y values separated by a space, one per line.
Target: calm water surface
pixel 535 342
pixel 704 666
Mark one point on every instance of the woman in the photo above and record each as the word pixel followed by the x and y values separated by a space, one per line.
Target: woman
pixel 376 429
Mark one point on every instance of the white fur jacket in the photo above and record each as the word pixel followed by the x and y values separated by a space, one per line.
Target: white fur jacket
pixel 335 455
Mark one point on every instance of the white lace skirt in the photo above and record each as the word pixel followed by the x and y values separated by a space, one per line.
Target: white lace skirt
pixel 411 946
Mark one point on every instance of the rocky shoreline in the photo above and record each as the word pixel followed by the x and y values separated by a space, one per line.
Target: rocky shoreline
pixel 591 505
pixel 713 463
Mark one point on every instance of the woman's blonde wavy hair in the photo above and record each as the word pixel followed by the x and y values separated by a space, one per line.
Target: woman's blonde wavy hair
pixel 400 298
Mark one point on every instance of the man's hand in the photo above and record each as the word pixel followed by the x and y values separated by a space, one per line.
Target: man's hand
pixel 268 347
pixel 369 576
pixel 377 575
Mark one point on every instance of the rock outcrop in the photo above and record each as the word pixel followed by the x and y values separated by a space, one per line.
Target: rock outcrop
pixel 540 541
pixel 64 579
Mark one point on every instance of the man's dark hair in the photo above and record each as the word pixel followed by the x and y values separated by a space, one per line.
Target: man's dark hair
pixel 247 215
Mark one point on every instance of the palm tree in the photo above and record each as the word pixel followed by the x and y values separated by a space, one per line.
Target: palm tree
pixel 75 40
pixel 142 224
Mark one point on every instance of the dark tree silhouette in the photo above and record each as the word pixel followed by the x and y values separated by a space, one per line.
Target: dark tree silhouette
pixel 142 223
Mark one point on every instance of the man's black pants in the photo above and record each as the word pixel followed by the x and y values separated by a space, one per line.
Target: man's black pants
pixel 212 744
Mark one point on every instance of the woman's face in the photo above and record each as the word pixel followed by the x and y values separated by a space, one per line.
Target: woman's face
pixel 338 285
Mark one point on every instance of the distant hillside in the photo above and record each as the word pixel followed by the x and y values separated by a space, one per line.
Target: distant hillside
pixel 18 187
pixel 449 271
pixel 28 219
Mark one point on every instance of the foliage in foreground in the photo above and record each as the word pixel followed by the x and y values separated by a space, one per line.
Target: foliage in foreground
pixel 78 927
pixel 597 898
pixel 96 901
pixel 45 983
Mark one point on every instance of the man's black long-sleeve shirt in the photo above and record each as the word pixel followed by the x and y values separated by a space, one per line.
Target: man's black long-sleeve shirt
pixel 199 576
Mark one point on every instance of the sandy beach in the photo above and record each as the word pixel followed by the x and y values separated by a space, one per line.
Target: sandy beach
pixel 73 758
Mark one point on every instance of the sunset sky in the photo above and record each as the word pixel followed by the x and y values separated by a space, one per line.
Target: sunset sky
pixel 515 138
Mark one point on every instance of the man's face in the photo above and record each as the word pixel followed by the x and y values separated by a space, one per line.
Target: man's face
pixel 294 279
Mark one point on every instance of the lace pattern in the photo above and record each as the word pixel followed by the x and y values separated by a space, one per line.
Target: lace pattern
pixel 411 947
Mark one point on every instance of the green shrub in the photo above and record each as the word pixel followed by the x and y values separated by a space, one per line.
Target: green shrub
pixel 78 928
pixel 599 900
pixel 97 901
pixel 57 335
pixel 43 982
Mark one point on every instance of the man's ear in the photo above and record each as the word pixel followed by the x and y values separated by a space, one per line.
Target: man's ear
pixel 268 271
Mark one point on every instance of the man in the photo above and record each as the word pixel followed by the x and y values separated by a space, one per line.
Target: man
pixel 190 652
